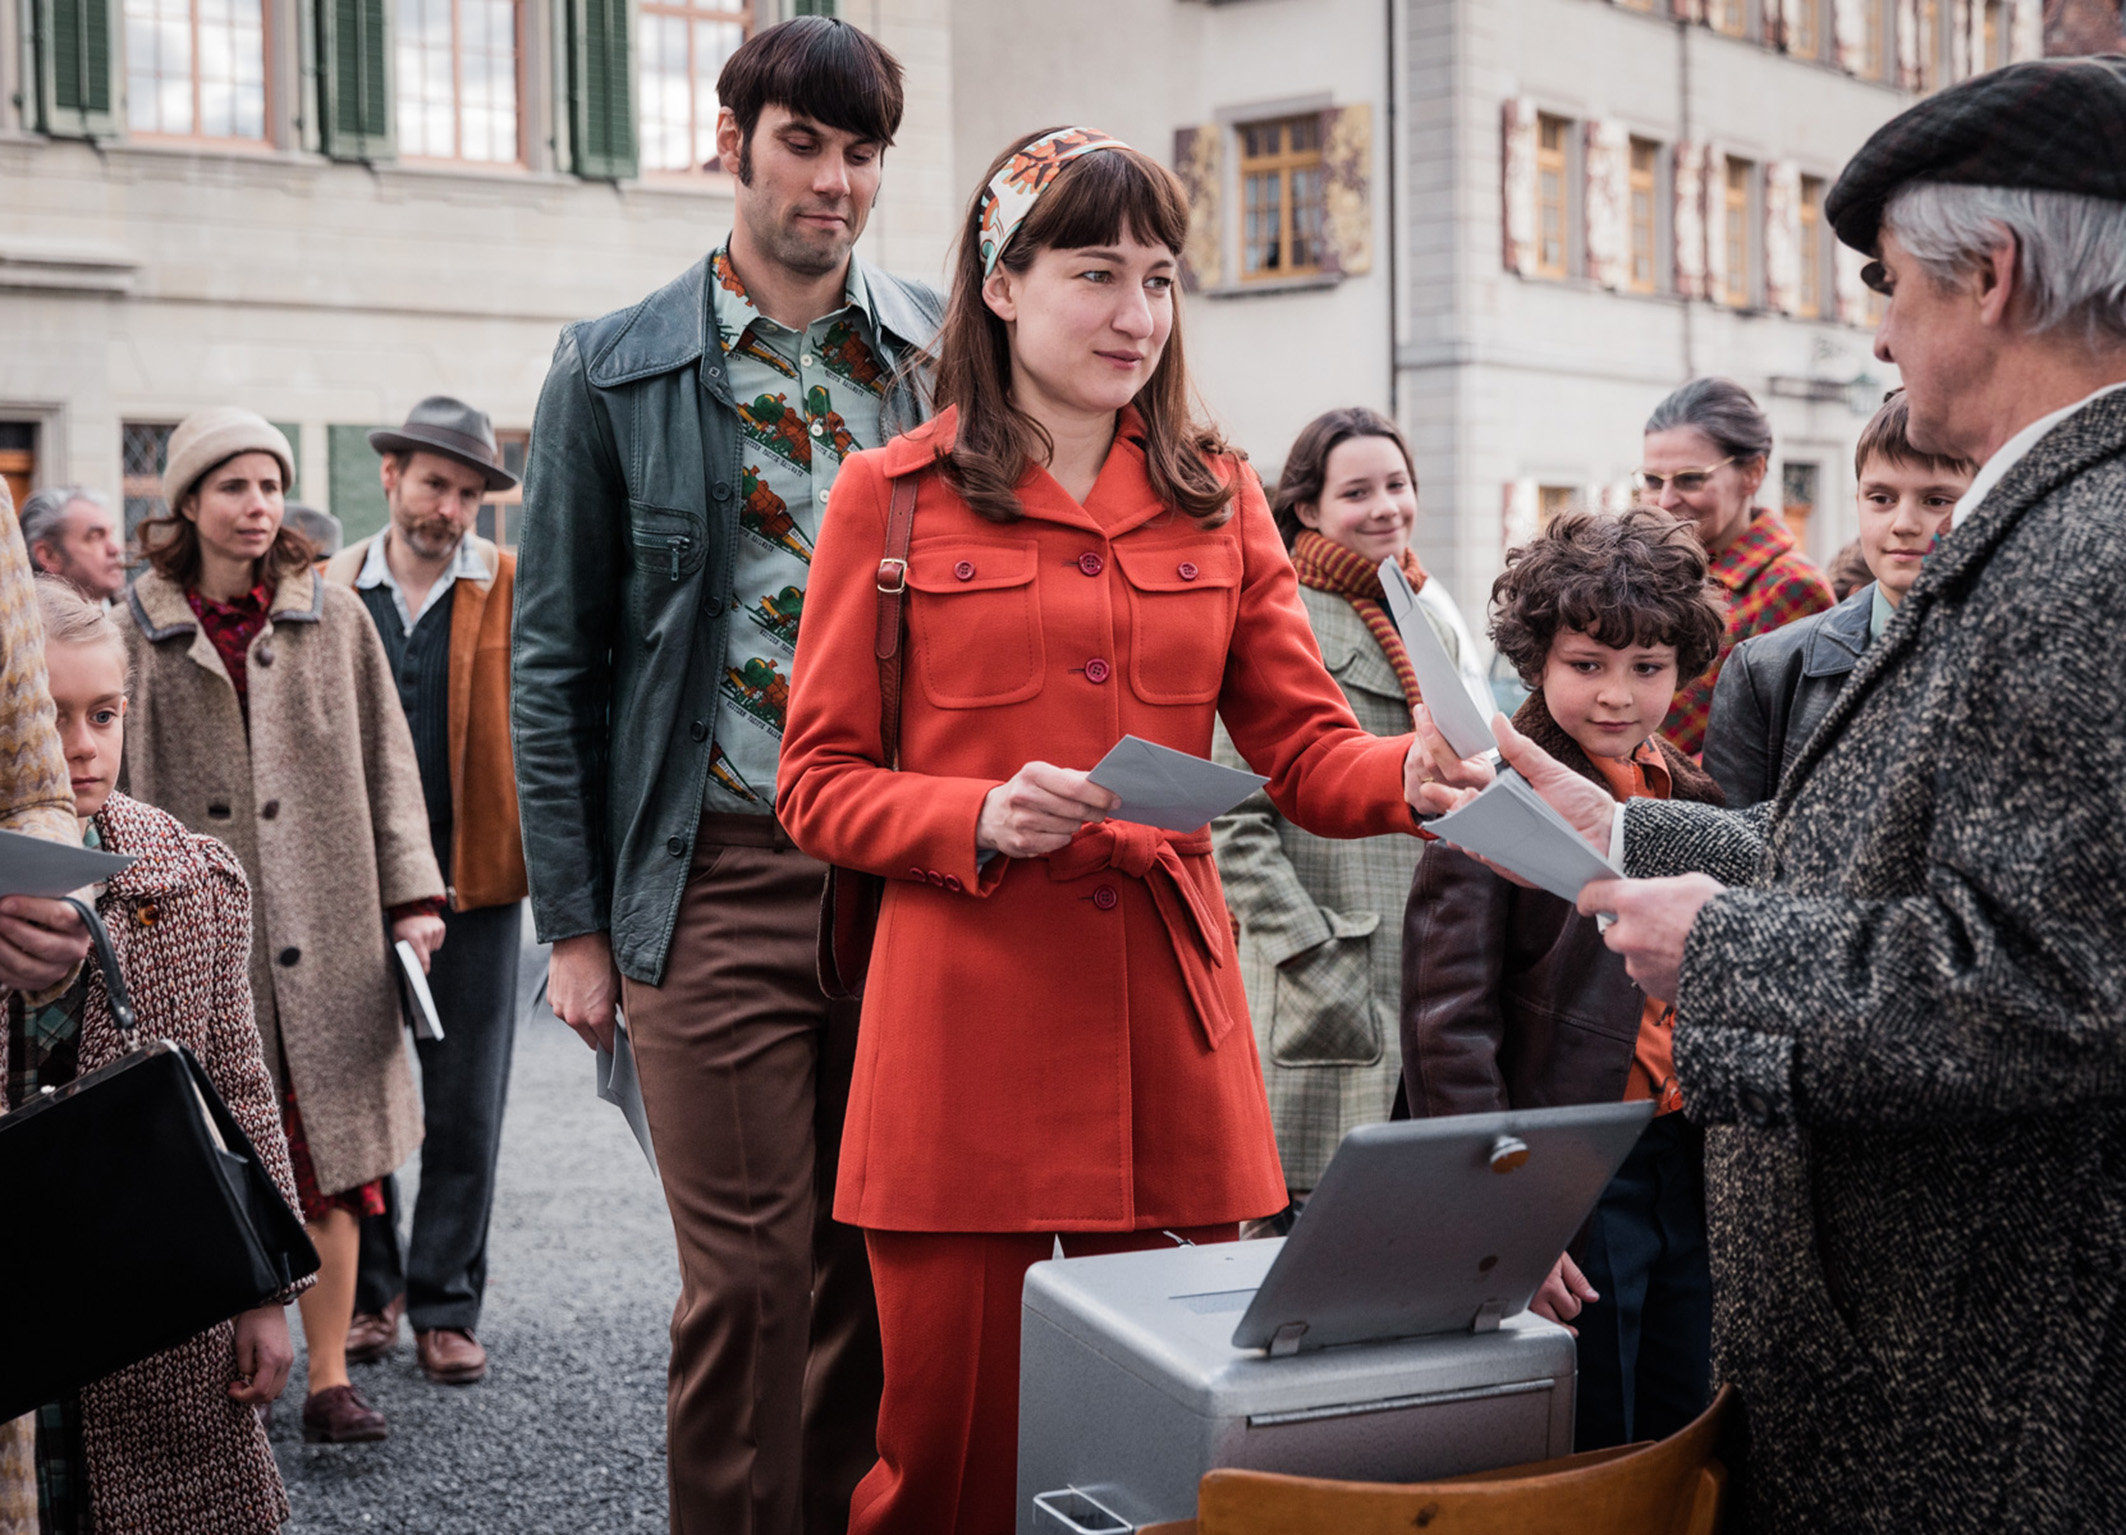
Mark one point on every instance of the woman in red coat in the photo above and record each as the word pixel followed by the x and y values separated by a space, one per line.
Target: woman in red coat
pixel 1055 1040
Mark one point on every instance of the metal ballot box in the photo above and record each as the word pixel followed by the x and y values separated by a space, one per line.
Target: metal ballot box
pixel 1386 1339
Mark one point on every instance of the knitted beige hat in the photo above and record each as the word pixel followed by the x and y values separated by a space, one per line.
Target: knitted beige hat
pixel 214 436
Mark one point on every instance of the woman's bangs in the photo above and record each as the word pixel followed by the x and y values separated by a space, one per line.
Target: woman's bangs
pixel 1098 197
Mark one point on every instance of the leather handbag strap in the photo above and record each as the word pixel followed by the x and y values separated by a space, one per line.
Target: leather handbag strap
pixel 106 961
pixel 892 594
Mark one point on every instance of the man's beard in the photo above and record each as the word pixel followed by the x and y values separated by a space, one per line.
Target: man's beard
pixel 431 537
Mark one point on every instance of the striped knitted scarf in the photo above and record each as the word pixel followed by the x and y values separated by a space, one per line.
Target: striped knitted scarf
pixel 1330 567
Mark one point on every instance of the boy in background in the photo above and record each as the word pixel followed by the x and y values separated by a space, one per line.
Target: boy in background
pixel 1777 687
pixel 1510 999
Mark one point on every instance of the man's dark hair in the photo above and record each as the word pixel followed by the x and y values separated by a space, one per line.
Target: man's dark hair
pixel 1632 578
pixel 816 67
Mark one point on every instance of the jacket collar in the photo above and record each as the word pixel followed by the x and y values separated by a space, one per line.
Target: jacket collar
pixel 159 607
pixel 2076 445
pixel 346 567
pixel 1834 646
pixel 1126 495
pixel 669 330
pixel 166 859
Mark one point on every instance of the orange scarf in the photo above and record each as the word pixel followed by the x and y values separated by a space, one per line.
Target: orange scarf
pixel 1327 566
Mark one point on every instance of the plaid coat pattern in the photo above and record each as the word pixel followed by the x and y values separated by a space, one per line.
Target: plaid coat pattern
pixel 166 1449
pixel 1768 584
pixel 1908 1034
pixel 1321 927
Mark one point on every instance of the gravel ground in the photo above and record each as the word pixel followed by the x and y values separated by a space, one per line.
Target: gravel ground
pixel 566 1434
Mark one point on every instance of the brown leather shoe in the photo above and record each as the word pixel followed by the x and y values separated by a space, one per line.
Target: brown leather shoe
pixel 375 1334
pixel 338 1415
pixel 450 1356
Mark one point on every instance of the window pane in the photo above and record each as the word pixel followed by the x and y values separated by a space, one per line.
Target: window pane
pixel 457 80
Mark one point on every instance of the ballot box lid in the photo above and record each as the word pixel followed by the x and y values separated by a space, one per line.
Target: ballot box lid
pixel 1429 1226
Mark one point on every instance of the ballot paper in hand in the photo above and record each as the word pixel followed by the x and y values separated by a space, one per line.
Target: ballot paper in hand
pixel 618 1085
pixel 1439 680
pixel 32 866
pixel 415 1000
pixel 1517 829
pixel 1172 790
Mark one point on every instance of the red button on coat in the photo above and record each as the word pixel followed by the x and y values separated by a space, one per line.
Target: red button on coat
pixel 1188 570
pixel 1096 670
pixel 964 570
pixel 1105 898
pixel 1091 563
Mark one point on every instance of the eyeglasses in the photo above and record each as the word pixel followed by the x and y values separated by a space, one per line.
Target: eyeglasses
pixel 1688 482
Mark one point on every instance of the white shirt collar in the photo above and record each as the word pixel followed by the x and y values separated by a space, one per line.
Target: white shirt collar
pixel 1995 469
pixel 376 571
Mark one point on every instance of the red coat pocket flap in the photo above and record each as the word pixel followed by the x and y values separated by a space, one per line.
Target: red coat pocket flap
pixel 1179 567
pixel 959 566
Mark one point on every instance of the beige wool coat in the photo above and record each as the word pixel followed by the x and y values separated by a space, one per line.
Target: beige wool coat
pixel 1321 926
pixel 321 803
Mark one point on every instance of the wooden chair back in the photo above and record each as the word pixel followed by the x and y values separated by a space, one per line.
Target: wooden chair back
pixel 1676 1486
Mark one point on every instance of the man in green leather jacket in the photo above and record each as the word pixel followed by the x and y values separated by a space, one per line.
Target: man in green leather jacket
pixel 680 463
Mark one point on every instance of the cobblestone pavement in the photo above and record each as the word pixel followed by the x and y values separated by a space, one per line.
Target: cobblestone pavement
pixel 566 1434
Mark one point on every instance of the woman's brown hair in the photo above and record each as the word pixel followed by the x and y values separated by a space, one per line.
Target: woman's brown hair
pixel 1636 577
pixel 169 541
pixel 1306 467
pixel 1090 202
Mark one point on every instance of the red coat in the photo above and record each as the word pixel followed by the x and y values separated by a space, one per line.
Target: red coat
pixel 1057 1044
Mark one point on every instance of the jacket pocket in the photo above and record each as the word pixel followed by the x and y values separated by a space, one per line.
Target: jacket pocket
pixel 974 625
pixel 1322 1008
pixel 669 545
pixel 1182 598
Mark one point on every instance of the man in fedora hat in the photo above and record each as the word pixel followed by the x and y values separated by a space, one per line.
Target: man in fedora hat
pixel 1900 1000
pixel 441 595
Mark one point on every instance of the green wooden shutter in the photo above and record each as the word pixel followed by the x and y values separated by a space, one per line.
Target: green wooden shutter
pixel 77 78
pixel 813 8
pixel 601 92
pixel 354 79
pixel 356 493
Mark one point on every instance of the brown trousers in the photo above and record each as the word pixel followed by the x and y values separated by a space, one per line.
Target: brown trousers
pixel 773 1397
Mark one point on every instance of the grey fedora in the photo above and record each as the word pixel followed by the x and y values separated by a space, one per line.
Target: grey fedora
pixel 452 428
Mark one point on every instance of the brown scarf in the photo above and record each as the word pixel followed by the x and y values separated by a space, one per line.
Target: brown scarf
pixel 1329 567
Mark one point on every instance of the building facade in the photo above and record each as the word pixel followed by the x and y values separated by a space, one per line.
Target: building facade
pixel 1516 223
pixel 327 209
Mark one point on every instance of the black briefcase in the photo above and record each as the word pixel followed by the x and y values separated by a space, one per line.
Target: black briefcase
pixel 135 1215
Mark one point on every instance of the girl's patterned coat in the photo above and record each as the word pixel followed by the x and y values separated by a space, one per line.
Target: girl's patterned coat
pixel 166 1448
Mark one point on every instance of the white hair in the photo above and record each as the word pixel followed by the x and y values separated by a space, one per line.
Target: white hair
pixel 2070 260
pixel 43 512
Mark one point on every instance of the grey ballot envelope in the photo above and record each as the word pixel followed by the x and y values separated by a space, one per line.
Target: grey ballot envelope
pixel 1436 1225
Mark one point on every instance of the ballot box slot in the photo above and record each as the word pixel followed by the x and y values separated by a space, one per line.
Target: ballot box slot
pixel 1395 1403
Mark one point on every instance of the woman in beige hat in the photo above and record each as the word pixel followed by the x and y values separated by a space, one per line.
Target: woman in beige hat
pixel 264 714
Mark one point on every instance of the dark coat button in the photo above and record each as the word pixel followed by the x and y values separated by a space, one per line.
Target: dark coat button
pixel 269 810
pixel 964 570
pixel 1106 898
pixel 264 657
pixel 219 810
pixel 147 914
pixel 1756 1108
pixel 699 730
pixel 289 955
pixel 1187 570
pixel 1091 563
pixel 676 846
pixel 1096 670
pixel 723 490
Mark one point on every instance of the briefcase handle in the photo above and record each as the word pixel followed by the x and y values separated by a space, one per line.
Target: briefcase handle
pixel 107 961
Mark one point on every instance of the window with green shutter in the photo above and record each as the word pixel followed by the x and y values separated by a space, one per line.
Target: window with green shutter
pixel 77 79
pixel 813 8
pixel 601 96
pixel 354 79
pixel 357 490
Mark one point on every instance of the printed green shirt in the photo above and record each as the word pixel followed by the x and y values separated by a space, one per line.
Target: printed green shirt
pixel 806 401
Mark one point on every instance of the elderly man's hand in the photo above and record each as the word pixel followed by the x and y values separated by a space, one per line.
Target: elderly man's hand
pixel 1452 783
pixel 40 943
pixel 1653 918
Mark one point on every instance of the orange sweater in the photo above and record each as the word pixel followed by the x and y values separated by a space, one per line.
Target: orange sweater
pixel 1653 1061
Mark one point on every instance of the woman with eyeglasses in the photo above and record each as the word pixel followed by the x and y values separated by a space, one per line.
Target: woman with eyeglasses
pixel 1706 451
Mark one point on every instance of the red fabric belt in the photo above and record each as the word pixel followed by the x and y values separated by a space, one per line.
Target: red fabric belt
pixel 1196 927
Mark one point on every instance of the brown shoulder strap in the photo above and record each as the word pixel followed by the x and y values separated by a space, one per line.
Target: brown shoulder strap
pixel 892 593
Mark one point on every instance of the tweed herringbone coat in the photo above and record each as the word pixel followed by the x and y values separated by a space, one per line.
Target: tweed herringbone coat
pixel 166 1449
pixel 1909 1036
pixel 321 802
pixel 1321 926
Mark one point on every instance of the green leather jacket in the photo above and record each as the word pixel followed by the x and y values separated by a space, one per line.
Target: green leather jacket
pixel 625 555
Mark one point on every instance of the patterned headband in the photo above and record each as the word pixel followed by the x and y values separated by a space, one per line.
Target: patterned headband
pixel 1014 190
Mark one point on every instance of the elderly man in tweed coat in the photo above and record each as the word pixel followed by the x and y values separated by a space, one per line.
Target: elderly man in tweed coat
pixel 1901 999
